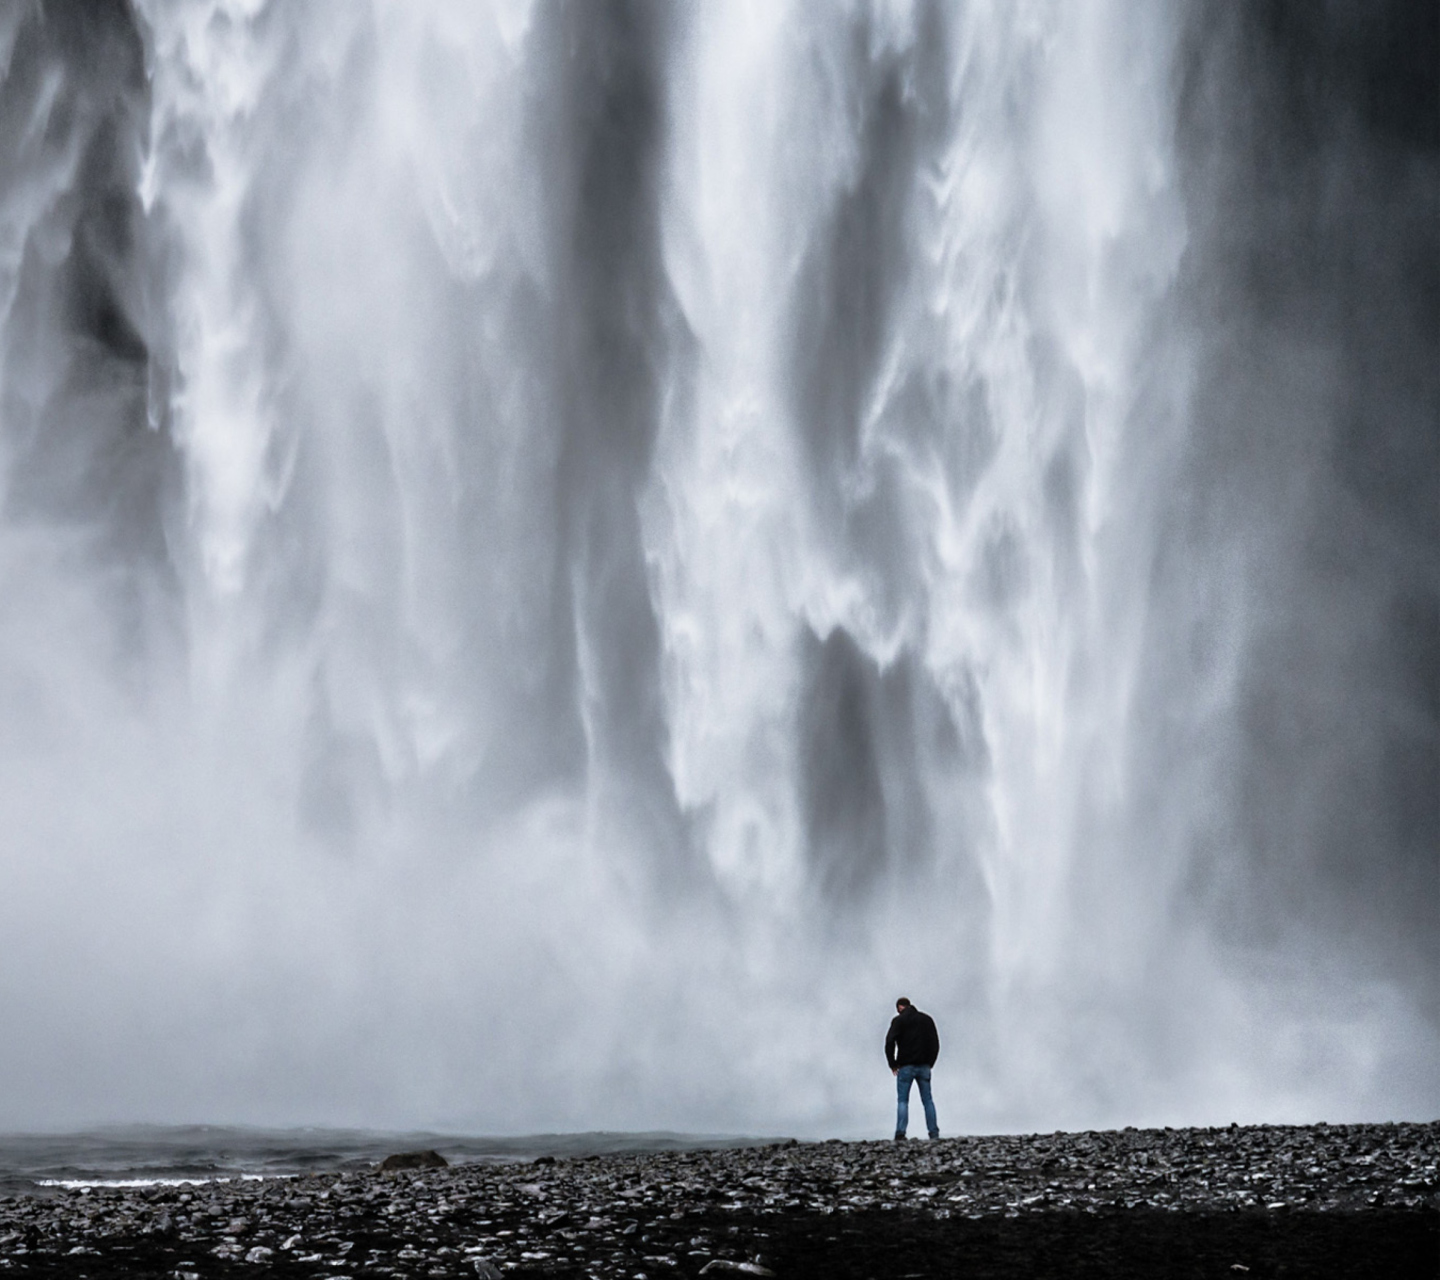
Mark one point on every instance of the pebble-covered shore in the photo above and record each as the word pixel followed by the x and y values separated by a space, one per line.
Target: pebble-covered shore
pixel 1353 1200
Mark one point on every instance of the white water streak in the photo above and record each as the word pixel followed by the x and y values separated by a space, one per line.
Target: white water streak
pixel 354 816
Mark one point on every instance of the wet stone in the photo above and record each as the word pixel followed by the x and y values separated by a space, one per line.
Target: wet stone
pixel 1358 1199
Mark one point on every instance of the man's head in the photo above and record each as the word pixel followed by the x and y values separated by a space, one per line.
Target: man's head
pixel 901 1005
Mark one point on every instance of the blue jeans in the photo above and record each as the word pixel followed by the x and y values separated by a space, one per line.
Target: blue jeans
pixel 921 1076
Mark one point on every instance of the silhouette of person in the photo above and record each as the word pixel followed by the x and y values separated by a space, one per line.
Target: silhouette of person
pixel 911 1048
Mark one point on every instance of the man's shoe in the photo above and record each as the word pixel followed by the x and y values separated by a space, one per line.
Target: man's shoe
pixel 935 1135
pixel 899 1137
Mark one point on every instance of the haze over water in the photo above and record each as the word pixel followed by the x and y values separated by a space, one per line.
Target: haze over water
pixel 554 558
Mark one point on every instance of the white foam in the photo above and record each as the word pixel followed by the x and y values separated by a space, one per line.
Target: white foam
pixel 90 1184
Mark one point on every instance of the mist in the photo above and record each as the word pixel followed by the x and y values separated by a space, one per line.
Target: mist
pixel 555 558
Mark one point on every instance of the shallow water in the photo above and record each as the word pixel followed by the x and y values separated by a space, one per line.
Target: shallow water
pixel 147 1155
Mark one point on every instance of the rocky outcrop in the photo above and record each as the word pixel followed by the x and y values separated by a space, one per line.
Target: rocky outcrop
pixel 413 1160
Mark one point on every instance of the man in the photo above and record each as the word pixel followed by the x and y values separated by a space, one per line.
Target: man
pixel 911 1049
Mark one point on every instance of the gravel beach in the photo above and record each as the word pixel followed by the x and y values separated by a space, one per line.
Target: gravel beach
pixel 1354 1200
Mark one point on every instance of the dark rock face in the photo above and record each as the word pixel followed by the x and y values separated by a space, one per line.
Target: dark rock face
pixel 1356 1200
pixel 413 1160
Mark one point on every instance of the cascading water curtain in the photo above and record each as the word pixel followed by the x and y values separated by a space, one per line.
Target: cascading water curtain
pixel 555 557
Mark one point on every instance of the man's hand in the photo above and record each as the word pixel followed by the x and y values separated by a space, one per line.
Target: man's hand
pixel 894 1071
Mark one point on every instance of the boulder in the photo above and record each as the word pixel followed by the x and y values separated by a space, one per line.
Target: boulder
pixel 414 1160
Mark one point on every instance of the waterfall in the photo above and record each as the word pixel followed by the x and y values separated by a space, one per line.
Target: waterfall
pixel 554 558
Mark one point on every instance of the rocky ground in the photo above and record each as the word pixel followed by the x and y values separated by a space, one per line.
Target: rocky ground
pixel 1357 1200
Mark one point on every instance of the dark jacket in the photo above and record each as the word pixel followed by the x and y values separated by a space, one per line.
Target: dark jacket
pixel 913 1040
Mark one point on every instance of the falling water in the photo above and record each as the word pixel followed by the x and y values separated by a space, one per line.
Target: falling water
pixel 556 557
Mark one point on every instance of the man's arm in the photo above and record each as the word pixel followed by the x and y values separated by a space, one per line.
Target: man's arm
pixel 890 1046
